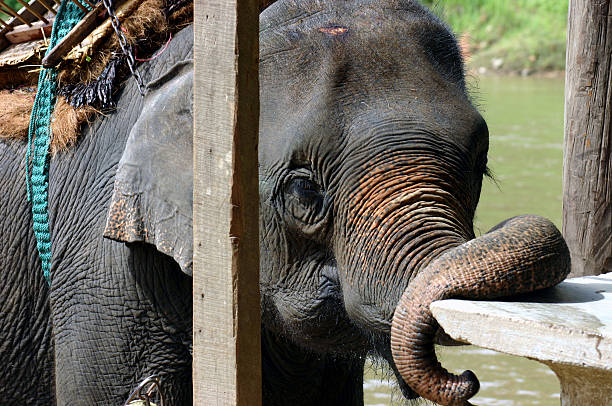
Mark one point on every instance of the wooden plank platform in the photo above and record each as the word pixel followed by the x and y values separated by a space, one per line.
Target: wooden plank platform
pixel 568 328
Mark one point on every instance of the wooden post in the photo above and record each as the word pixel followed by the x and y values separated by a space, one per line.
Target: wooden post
pixel 587 173
pixel 226 326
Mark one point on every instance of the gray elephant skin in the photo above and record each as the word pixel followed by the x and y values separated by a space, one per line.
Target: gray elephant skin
pixel 371 163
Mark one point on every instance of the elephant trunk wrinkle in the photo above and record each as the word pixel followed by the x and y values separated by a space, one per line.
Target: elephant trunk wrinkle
pixel 525 254
pixel 399 214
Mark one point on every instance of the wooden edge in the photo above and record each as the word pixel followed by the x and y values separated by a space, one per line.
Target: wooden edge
pixel 80 5
pixel 47 6
pixel 39 6
pixel 569 324
pixel 28 14
pixel 264 4
pixel 100 33
pixel 5 8
pixel 4 43
pixel 24 33
pixel 76 35
pixel 226 305
pixel 587 156
pixel 33 11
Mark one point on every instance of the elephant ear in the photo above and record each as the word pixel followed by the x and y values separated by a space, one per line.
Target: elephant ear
pixel 152 196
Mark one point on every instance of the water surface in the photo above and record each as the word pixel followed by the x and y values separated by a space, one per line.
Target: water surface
pixel 525 119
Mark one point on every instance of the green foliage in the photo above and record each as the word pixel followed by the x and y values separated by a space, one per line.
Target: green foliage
pixel 523 33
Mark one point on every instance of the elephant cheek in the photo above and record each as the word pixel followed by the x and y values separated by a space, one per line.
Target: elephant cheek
pixel 520 255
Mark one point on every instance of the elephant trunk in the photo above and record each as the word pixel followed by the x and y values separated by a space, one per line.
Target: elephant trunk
pixel 520 255
pixel 406 210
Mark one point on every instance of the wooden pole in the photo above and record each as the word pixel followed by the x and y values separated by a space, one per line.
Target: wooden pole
pixel 587 173
pixel 226 327
pixel 47 6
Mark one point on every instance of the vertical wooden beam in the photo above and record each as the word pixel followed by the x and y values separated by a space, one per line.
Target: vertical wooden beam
pixel 226 330
pixel 587 173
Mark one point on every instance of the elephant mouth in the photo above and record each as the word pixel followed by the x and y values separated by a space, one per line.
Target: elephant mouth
pixel 322 325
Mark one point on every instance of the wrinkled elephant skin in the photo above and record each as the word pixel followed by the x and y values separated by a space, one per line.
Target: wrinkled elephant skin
pixel 116 312
pixel 371 163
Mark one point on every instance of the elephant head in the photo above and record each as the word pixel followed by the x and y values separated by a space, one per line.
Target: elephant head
pixel 371 163
pixel 372 158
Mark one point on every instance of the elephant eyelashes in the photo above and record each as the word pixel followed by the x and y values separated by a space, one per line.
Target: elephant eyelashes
pixel 305 190
pixel 481 166
pixel 303 199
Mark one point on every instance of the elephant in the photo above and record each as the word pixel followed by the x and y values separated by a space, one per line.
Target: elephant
pixel 371 161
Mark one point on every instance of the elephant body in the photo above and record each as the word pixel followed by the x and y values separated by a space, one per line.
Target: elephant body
pixel 371 162
pixel 121 311
pixel 25 330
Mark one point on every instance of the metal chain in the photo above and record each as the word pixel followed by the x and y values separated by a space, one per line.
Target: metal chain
pixel 145 392
pixel 127 51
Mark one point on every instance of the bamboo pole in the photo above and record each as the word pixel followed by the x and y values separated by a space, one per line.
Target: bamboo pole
pixel 14 13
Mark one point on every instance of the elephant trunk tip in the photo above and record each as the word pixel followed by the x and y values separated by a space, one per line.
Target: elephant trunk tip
pixel 467 386
pixel 414 356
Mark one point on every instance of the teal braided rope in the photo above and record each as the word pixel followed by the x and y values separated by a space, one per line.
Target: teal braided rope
pixel 39 138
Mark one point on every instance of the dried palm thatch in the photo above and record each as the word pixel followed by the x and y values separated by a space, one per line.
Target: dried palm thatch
pixel 15 108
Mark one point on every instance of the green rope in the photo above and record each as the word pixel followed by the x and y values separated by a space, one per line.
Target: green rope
pixel 39 138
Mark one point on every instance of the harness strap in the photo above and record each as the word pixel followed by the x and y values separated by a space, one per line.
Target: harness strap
pixel 39 137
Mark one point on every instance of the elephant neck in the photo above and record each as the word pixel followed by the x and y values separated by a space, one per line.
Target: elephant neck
pixel 293 375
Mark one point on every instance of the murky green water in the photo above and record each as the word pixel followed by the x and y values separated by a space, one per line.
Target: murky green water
pixel 525 118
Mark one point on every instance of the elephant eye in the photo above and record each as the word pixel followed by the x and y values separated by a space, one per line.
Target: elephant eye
pixel 303 199
pixel 304 189
pixel 305 204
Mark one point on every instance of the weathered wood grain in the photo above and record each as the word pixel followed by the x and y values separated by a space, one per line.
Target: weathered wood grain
pixel 568 328
pixel 226 330
pixel 587 173
pixel 23 33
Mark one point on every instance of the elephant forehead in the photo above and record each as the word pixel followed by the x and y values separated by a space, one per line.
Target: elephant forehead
pixel 326 66
pixel 308 38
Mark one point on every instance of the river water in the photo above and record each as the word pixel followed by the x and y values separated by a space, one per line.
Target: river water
pixel 525 119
